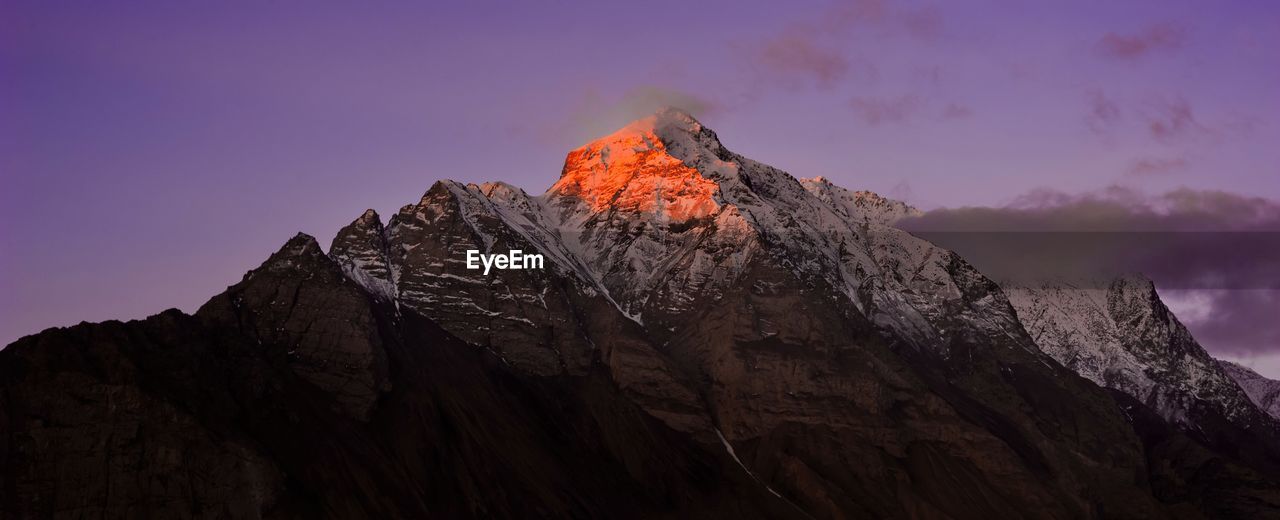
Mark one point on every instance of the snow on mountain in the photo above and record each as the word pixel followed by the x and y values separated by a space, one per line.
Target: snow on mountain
pixel 659 216
pixel 1262 391
pixel 859 206
pixel 668 237
pixel 1123 337
pixel 788 322
pixel 361 250
pixel 654 219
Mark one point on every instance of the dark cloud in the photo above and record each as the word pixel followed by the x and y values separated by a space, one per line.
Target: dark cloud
pixel 876 110
pixel 1182 239
pixel 1238 323
pixel 1212 254
pixel 1154 166
pixel 1116 208
pixel 1159 37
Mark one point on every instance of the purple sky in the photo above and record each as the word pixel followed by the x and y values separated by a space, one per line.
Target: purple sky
pixel 151 153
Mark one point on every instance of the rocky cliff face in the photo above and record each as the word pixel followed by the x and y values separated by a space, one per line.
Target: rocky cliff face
pixel 297 394
pixel 1265 393
pixel 1123 337
pixel 709 337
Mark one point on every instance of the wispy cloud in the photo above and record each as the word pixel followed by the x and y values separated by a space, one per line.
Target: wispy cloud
pixel 956 111
pixel 1103 112
pixel 876 110
pixel 845 15
pixel 1158 37
pixel 797 56
pixel 818 51
pixel 1232 322
pixel 924 23
pixel 1154 166
pixel 598 114
pixel 1167 120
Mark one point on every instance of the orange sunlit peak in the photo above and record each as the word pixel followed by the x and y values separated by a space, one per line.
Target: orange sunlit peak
pixel 631 171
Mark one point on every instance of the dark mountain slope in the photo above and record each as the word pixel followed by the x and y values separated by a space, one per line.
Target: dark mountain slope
pixel 262 405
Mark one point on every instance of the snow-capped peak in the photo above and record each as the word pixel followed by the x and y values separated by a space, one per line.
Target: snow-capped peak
pixel 647 167
pixel 660 216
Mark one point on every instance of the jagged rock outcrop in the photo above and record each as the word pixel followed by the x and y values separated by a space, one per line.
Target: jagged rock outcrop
pixel 863 207
pixel 1223 452
pixel 317 319
pixel 1124 337
pixel 361 251
pixel 1120 335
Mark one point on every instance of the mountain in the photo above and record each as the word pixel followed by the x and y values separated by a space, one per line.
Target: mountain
pixel 710 336
pixel 1123 337
pixel 1262 391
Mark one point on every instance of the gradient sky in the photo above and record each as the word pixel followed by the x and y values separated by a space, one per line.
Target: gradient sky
pixel 152 152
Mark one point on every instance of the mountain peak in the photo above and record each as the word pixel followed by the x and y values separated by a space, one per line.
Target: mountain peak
pixel 654 165
pixel 670 129
pixel 299 245
pixel 301 250
pixel 666 121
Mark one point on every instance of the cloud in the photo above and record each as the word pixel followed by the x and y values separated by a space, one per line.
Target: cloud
pixel 818 51
pixel 1158 37
pixel 796 56
pixel 1154 166
pixel 1168 120
pixel 924 23
pixel 874 111
pixel 1211 254
pixel 956 111
pixel 598 115
pixel 1232 322
pixel 1112 209
pixel 1103 112
pixel 846 15
pixel 1185 239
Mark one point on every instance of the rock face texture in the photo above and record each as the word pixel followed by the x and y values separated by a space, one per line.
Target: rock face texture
pixel 295 394
pixel 1123 337
pixel 1262 391
pixel 710 337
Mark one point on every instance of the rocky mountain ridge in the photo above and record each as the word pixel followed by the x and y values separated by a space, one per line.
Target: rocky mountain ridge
pixel 710 337
pixel 1262 391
